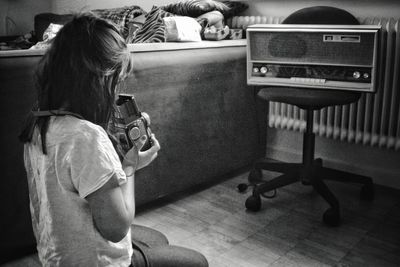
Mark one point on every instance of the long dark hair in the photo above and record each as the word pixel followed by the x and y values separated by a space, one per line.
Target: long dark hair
pixel 79 73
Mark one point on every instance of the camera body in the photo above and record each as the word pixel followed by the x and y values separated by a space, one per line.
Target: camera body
pixel 131 123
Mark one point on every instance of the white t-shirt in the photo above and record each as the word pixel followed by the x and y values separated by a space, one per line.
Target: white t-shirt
pixel 80 159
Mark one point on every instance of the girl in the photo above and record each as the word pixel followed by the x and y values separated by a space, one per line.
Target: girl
pixel 81 185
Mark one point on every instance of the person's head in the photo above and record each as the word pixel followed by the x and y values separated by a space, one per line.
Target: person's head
pixel 80 71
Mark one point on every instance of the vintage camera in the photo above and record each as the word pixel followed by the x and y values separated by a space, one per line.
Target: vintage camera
pixel 131 123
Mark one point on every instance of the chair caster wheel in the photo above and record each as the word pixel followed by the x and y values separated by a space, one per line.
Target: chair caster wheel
pixel 253 203
pixel 255 176
pixel 331 217
pixel 367 192
pixel 242 188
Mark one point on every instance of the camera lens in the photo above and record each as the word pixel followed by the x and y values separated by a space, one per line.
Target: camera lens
pixel 134 133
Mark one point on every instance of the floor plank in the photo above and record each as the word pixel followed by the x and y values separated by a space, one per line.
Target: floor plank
pixel 287 231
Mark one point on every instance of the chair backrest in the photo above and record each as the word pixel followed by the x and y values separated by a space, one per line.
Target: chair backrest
pixel 321 15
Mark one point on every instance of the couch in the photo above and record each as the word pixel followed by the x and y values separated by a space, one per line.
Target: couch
pixel 202 113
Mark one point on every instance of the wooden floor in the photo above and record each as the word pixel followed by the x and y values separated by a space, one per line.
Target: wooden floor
pixel 286 232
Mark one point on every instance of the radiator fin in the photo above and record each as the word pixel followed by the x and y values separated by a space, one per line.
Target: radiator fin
pixel 374 120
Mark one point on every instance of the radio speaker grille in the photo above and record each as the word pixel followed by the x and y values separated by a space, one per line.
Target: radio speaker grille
pixel 310 48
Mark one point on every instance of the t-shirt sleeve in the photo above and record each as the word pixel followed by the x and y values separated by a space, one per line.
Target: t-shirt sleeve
pixel 92 161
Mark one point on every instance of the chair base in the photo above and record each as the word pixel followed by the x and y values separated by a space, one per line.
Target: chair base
pixel 312 174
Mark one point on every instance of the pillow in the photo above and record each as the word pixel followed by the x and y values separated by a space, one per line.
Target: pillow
pixel 233 8
pixel 194 8
pixel 134 26
pixel 153 28
pixel 214 18
pixel 122 16
pixel 182 29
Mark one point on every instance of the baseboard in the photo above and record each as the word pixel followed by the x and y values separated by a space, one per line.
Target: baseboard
pixel 380 164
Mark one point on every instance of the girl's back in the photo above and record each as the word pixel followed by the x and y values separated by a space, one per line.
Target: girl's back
pixel 78 153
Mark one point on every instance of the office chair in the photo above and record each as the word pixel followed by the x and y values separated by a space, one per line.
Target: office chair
pixel 310 171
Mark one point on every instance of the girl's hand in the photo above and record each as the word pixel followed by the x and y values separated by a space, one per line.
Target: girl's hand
pixel 140 159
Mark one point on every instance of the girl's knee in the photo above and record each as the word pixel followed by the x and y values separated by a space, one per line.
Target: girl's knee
pixel 191 257
pixel 148 236
pixel 172 256
pixel 203 262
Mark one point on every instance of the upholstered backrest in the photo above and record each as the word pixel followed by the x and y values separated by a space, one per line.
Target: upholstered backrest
pixel 321 15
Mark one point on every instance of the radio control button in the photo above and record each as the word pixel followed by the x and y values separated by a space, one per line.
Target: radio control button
pixel 356 74
pixel 264 70
pixel 255 70
pixel 366 75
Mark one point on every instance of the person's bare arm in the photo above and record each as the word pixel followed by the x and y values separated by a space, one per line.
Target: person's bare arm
pixel 113 208
pixel 113 205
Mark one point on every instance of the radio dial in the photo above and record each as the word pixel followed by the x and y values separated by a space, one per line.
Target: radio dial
pixel 366 75
pixel 356 74
pixel 256 70
pixel 264 70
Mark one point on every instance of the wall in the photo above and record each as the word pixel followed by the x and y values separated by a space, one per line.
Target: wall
pixel 381 164
pixel 381 8
pixel 257 7
pixel 23 11
pixel 62 6
pixel 16 16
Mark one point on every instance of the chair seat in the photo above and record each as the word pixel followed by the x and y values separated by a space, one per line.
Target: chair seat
pixel 308 98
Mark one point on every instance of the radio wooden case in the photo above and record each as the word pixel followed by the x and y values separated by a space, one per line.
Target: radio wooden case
pixel 341 57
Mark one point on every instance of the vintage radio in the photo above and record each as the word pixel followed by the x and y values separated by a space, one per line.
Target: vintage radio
pixel 341 57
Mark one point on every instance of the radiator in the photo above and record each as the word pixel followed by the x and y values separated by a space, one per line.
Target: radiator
pixel 374 120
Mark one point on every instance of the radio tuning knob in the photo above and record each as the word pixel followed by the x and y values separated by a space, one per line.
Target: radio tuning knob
pixel 255 70
pixel 366 75
pixel 356 74
pixel 264 70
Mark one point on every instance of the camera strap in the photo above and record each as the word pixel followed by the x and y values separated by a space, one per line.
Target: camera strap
pixel 55 112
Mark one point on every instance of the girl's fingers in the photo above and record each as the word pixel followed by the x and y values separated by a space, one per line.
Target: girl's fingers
pixel 140 143
pixel 155 142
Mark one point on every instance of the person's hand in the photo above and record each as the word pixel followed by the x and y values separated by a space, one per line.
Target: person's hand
pixel 146 157
pixel 140 159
